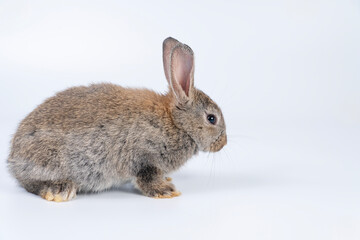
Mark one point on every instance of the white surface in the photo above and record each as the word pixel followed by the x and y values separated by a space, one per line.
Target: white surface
pixel 285 73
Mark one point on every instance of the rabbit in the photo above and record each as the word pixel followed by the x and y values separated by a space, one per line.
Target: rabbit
pixel 92 138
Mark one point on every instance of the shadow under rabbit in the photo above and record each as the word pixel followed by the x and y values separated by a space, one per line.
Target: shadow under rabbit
pixel 125 189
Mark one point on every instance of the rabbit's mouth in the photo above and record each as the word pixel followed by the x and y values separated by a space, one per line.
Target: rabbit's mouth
pixel 219 143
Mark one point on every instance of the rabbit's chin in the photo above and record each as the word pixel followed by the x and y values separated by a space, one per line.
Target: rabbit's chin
pixel 218 144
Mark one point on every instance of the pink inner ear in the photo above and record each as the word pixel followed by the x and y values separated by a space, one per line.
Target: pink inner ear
pixel 183 65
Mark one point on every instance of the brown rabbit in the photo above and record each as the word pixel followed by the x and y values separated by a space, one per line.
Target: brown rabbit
pixel 88 139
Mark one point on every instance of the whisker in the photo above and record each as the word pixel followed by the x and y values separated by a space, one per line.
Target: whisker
pixel 239 136
pixel 227 156
pixel 214 165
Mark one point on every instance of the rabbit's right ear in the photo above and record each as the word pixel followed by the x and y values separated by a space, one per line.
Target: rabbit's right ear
pixel 182 73
pixel 168 46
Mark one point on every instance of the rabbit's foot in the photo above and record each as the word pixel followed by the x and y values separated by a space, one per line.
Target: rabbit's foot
pixel 58 191
pixel 160 189
pixel 168 195
pixel 151 183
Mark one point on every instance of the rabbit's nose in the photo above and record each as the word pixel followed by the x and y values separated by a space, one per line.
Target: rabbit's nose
pixel 219 143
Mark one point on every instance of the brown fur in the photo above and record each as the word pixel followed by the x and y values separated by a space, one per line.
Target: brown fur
pixel 93 138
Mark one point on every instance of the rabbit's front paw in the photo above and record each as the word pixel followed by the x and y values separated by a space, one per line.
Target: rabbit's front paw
pixel 160 190
pixel 152 184
pixel 164 190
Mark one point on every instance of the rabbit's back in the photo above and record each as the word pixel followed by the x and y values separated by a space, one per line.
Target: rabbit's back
pixel 85 107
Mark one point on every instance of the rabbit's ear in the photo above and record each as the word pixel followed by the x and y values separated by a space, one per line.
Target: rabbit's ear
pixel 182 72
pixel 168 45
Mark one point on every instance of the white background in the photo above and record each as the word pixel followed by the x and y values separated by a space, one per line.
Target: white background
pixel 285 73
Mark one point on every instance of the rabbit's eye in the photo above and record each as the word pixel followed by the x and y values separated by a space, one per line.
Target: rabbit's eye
pixel 211 118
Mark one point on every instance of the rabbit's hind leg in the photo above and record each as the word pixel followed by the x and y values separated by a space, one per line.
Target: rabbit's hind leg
pixel 57 191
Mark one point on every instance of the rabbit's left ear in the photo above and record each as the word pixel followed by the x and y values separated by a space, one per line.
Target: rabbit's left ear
pixel 168 46
pixel 182 72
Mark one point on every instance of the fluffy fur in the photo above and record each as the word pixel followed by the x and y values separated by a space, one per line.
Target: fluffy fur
pixel 88 139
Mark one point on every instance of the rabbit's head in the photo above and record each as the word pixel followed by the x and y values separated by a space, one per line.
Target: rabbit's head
pixel 192 110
